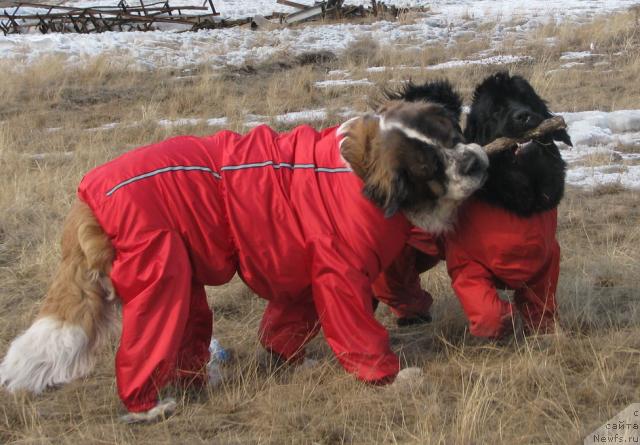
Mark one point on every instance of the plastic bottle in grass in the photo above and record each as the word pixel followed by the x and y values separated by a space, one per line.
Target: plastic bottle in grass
pixel 219 356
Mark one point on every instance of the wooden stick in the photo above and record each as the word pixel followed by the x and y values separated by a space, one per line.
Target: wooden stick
pixel 547 126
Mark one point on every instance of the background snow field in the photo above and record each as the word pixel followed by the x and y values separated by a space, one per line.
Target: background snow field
pixel 71 102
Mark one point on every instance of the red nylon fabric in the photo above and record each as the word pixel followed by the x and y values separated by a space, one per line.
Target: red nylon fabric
pixel 306 240
pixel 489 249
pixel 399 285
pixel 493 248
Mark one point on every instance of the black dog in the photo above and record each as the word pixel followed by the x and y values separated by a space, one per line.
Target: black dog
pixel 529 179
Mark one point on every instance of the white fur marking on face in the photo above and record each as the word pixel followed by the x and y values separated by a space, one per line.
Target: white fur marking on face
pixel 408 132
pixel 461 186
pixel 478 151
pixel 440 218
pixel 49 353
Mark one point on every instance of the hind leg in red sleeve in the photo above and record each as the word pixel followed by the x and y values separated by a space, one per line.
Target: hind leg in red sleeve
pixel 152 275
pixel 536 301
pixel 287 326
pixel 194 350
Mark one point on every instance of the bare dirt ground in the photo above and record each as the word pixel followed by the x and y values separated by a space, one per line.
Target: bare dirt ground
pixel 54 127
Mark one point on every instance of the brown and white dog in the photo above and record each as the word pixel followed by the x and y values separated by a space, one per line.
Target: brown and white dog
pixel 409 158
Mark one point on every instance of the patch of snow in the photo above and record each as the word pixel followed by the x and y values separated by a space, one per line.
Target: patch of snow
pixel 590 177
pixel 600 133
pixel 495 60
pixel 570 65
pixel 582 123
pixel 342 83
pixel 578 55
pixel 217 121
pixel 302 116
pixel 338 73
pixel 178 122
pixel 54 156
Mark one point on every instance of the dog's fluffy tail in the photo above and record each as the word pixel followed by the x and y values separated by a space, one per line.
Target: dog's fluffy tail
pixel 78 312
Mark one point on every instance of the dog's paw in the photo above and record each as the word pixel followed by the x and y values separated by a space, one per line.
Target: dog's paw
pixel 414 321
pixel 163 409
pixel 407 377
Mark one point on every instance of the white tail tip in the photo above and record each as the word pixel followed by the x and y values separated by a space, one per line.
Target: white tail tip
pixel 49 353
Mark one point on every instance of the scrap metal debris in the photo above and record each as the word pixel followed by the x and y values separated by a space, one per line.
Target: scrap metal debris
pixel 25 17
pixel 28 17
pixel 331 9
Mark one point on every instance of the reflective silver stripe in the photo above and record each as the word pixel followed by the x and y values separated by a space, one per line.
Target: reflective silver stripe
pixel 243 166
pixel 333 170
pixel 164 170
pixel 229 168
pixel 286 165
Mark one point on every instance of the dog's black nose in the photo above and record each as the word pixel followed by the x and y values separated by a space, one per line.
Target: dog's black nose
pixel 522 116
pixel 471 164
pixel 527 119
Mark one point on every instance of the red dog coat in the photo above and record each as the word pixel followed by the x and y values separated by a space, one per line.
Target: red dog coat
pixel 490 248
pixel 282 210
pixel 493 248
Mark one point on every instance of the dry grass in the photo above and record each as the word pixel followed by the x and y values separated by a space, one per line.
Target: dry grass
pixel 522 391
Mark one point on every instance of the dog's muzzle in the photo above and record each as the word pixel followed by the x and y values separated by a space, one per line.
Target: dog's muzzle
pixel 473 161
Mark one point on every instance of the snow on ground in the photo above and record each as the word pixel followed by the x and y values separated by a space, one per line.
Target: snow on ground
pixel 447 20
pixel 606 148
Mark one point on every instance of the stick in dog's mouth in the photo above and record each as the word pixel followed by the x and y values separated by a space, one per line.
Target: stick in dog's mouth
pixel 547 126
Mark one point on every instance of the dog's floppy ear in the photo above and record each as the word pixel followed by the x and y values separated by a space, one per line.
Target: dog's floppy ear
pixel 359 137
pixel 388 195
pixel 361 148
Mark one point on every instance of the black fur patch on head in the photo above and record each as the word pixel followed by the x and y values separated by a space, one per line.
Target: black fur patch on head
pixel 531 179
pixel 438 91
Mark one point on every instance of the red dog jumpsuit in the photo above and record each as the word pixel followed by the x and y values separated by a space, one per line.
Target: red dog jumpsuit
pixel 493 248
pixel 490 248
pixel 282 210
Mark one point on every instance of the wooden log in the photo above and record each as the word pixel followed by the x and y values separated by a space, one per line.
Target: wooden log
pixel 547 126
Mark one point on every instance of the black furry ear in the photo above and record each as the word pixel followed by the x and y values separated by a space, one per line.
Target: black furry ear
pixel 563 136
pixel 389 197
pixel 438 91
